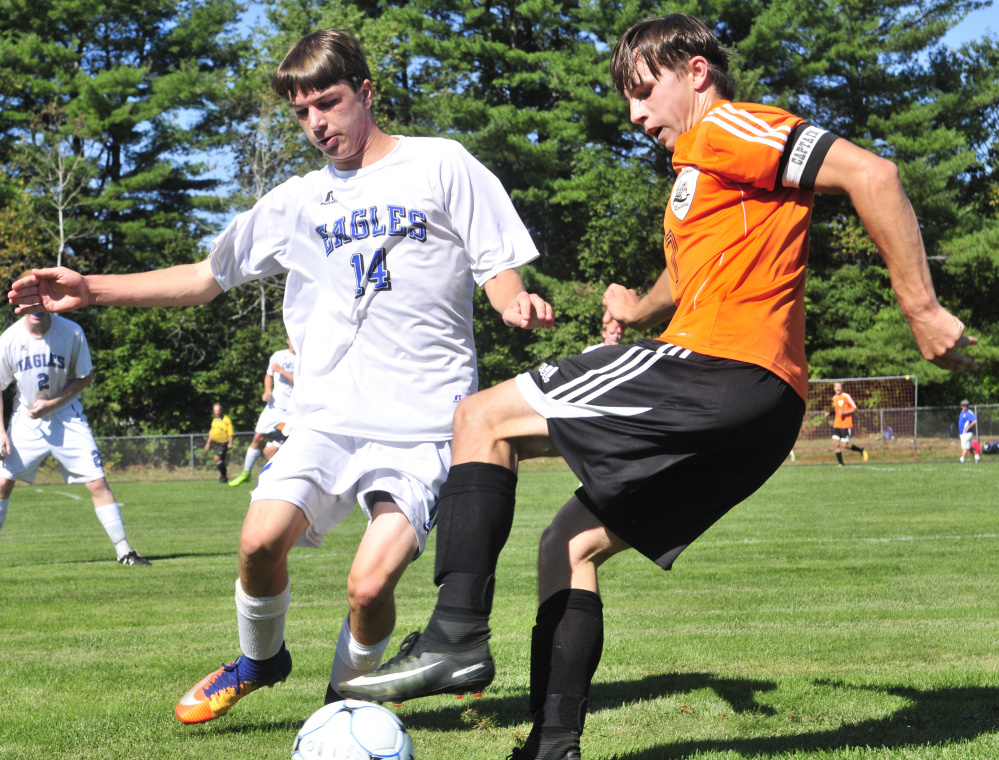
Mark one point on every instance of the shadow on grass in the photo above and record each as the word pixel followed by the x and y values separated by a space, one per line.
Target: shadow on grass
pixel 932 717
pixel 512 710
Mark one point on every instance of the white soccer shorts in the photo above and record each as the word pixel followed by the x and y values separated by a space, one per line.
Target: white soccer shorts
pixel 70 442
pixel 325 475
pixel 269 419
pixel 966 439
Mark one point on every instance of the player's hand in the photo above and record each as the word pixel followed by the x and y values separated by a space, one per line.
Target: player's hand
pixel 619 304
pixel 4 445
pixel 207 445
pixel 51 290
pixel 939 336
pixel 266 398
pixel 528 310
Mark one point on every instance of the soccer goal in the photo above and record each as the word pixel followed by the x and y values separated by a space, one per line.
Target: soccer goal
pixel 886 409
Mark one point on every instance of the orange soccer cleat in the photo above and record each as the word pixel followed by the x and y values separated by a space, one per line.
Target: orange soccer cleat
pixel 213 695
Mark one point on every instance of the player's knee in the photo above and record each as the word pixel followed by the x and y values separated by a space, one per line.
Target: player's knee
pixel 472 417
pixel 258 549
pixel 367 594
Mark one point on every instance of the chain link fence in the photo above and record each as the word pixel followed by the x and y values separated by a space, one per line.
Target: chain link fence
pixel 889 435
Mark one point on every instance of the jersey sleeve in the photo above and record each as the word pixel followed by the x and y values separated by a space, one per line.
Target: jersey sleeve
pixel 761 146
pixel 82 364
pixel 482 213
pixel 253 244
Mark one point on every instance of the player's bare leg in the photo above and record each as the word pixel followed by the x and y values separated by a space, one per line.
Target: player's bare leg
pixel 6 489
pixel 387 548
pixel 263 595
pixel 494 430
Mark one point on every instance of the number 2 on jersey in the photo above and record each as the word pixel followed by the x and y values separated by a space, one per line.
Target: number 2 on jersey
pixel 376 273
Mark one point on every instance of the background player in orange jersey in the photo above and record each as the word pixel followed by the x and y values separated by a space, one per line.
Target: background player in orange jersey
pixel 665 435
pixel 843 408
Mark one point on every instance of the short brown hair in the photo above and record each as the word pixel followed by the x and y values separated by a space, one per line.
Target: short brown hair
pixel 668 42
pixel 318 61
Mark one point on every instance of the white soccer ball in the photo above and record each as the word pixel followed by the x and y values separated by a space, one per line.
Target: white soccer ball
pixel 352 730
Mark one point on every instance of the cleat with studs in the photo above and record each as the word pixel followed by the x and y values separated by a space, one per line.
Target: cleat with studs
pixel 421 670
pixel 216 693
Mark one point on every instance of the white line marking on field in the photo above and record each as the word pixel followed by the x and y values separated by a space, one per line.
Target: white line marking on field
pixel 881 540
pixel 61 493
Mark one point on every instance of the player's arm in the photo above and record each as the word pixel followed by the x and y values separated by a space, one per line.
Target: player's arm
pixel 625 306
pixel 283 372
pixel 507 294
pixel 43 407
pixel 877 194
pixel 62 289
pixel 268 387
pixel 4 440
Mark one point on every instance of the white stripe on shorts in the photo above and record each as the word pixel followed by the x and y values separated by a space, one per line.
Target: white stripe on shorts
pixel 574 399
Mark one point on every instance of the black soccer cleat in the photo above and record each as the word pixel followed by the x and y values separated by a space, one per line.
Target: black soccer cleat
pixel 419 671
pixel 133 558
pixel 558 745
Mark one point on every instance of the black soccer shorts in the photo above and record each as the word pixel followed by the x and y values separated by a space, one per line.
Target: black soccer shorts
pixel 664 440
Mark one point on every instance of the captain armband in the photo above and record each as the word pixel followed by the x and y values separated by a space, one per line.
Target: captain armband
pixel 807 148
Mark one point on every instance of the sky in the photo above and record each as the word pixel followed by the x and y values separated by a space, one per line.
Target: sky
pixel 974 26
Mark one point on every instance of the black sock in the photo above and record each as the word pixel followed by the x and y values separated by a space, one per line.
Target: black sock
pixel 839 457
pixel 474 516
pixel 566 644
pixel 856 448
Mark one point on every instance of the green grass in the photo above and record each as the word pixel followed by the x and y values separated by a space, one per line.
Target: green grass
pixel 839 613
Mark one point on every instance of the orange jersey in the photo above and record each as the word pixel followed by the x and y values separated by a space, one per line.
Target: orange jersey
pixel 736 240
pixel 844 406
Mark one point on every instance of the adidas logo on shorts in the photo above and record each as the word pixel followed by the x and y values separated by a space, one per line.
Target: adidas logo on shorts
pixel 546 371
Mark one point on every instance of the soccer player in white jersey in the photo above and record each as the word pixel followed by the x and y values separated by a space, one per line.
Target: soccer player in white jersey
pixel 278 382
pixel 48 357
pixel 382 250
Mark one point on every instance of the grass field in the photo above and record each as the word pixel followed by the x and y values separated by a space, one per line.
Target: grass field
pixel 839 613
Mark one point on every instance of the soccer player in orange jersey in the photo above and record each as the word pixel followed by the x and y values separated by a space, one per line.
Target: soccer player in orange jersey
pixel 843 408
pixel 665 435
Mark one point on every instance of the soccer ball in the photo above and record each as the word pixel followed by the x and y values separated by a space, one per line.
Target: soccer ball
pixel 352 730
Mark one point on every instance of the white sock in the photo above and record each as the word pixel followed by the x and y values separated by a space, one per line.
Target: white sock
pixel 352 658
pixel 110 517
pixel 251 456
pixel 3 510
pixel 261 622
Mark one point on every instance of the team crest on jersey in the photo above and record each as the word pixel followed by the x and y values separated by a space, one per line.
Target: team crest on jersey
pixel 684 188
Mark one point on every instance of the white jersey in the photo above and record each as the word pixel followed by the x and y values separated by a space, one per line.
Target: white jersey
pixel 381 264
pixel 42 366
pixel 281 389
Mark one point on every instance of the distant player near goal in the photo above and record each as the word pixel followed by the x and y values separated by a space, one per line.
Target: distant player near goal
pixel 843 408
pixel 278 382
pixel 48 357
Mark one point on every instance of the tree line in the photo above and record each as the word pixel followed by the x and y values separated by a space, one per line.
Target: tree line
pixel 130 132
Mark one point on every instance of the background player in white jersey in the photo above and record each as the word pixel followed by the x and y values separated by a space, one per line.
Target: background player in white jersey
pixel 382 251
pixel 48 357
pixel 278 382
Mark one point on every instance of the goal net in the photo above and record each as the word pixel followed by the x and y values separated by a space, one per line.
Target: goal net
pixel 886 409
